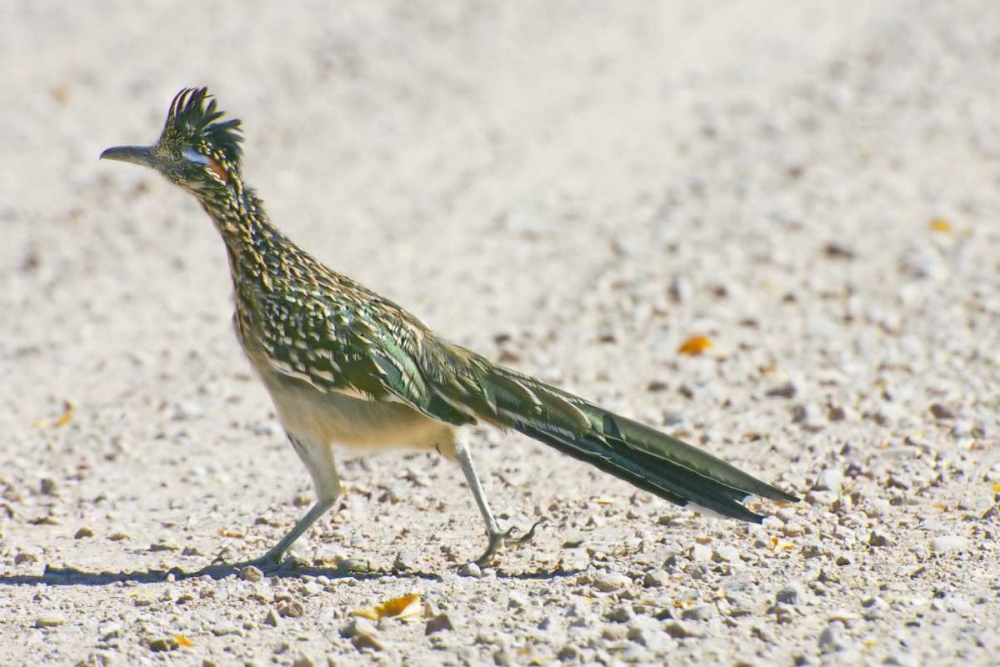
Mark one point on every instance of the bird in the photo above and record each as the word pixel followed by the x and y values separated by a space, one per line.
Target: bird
pixel 348 368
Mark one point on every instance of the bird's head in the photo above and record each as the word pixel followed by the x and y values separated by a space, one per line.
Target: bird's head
pixel 195 150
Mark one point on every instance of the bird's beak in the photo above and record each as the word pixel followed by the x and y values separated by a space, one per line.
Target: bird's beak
pixel 142 155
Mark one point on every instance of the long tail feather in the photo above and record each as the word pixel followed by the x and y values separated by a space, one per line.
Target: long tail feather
pixel 643 456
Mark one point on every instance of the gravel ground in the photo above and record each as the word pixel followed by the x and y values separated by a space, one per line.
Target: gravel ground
pixel 575 189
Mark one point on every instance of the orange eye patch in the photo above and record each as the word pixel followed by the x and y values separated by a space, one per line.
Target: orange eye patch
pixel 194 156
pixel 217 168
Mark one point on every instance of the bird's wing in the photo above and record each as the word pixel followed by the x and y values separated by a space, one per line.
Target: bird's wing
pixel 363 347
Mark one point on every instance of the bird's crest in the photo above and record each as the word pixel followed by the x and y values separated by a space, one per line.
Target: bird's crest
pixel 190 122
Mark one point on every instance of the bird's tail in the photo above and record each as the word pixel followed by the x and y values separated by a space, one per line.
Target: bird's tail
pixel 643 456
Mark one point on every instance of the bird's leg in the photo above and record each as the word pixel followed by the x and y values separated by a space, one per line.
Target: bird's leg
pixel 498 539
pixel 272 559
pixel 318 459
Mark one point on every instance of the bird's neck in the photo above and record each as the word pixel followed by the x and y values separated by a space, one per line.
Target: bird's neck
pixel 252 242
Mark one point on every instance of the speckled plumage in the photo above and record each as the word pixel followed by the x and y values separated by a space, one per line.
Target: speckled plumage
pixel 347 366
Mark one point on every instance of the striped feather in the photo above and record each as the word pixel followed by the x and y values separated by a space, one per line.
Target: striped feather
pixel 651 460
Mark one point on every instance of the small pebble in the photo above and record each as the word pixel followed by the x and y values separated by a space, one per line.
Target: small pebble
pixel 783 615
pixel 792 594
pixel 109 631
pixel 49 621
pixel 83 532
pixel 226 628
pixel 830 479
pixel 292 609
pixel 188 411
pixel 947 543
pixel 941 412
pixel 439 623
pixel 163 644
pixel 701 612
pixel 25 557
pixel 836 414
pixel 832 638
pixel 843 616
pixel 701 553
pixel 878 538
pixel 655 579
pixel 251 573
pixel 680 289
pixel 304 661
pixel 726 554
pixel 356 626
pixel 404 561
pixel 470 570
pixel 568 653
pixel 606 582
pixel 678 629
pixel 620 614
pixel 786 390
pixel 363 640
pixel 825 498
pixel 518 601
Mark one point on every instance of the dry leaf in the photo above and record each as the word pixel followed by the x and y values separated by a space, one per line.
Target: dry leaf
pixel 63 419
pixel 405 608
pixel 778 544
pixel 67 415
pixel 183 641
pixel 695 345
pixel 940 225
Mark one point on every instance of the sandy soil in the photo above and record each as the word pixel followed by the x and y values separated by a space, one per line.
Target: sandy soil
pixel 575 188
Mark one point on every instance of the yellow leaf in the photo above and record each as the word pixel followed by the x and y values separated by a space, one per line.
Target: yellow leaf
pixel 67 415
pixel 940 225
pixel 777 544
pixel 183 641
pixel 604 500
pixel 63 419
pixel 695 345
pixel 996 488
pixel 406 608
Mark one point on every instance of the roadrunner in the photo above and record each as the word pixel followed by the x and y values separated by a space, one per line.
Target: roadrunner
pixel 345 366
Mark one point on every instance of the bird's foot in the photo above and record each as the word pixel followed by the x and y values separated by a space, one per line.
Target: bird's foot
pixel 272 561
pixel 501 539
pixel 266 563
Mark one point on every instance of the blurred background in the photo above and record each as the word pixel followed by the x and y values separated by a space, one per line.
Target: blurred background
pixel 575 188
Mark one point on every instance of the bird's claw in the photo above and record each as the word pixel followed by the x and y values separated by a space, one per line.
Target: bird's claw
pixel 507 538
pixel 271 562
pixel 266 563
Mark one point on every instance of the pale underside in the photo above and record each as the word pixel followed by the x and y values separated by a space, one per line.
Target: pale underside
pixel 336 418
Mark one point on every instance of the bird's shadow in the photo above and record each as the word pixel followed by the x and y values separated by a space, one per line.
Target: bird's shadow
pixel 70 576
